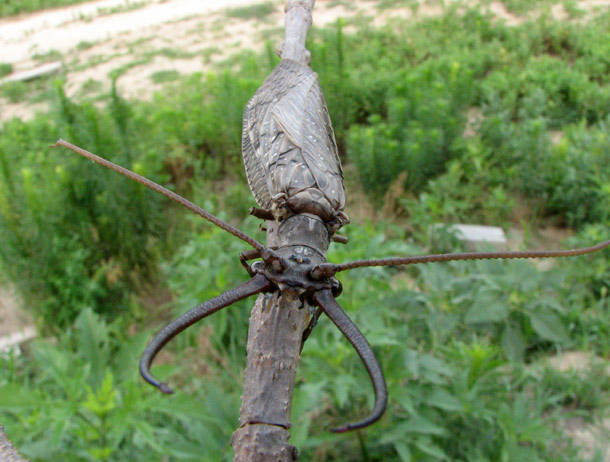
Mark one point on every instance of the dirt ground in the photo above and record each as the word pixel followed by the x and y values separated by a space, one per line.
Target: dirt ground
pixel 141 40
pixel 12 319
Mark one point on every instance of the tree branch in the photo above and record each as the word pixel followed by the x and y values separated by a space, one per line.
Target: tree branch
pixel 298 22
pixel 277 324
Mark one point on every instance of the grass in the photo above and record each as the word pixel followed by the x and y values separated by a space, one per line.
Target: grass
pixel 47 56
pixel 84 45
pixel 9 8
pixel 91 86
pixel 5 69
pixel 255 11
pixel 15 92
pixel 165 76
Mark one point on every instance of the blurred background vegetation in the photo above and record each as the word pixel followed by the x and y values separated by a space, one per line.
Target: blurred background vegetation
pixel 453 118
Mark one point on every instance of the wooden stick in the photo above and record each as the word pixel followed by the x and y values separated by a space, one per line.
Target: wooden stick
pixel 276 326
pixel 8 453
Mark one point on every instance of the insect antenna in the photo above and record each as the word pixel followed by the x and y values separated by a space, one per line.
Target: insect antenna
pixel 329 269
pixel 166 192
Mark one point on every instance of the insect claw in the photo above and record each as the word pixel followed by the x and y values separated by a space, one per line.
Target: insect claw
pixel 277 263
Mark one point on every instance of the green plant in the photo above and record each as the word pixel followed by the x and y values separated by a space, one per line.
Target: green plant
pixel 81 399
pixel 169 75
pixel 5 69
pixel 14 91
pixel 413 140
pixel 48 56
pixel 79 236
pixel 255 11
pixel 84 45
pixel 572 9
pixel 91 86
pixel 524 6
pixel 8 8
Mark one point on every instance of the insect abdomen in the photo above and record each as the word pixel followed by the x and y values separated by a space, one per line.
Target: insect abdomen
pixel 289 147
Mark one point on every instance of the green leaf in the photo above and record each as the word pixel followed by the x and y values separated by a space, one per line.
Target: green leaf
pixel 103 401
pixel 513 343
pixel 403 451
pixel 419 424
pixel 487 307
pixel 92 338
pixel 433 369
pixel 426 445
pixel 549 327
pixel 15 397
pixel 444 400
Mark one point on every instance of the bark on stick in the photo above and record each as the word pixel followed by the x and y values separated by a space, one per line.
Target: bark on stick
pixel 276 326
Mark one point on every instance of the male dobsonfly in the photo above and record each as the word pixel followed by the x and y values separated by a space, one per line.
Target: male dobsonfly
pixel 294 172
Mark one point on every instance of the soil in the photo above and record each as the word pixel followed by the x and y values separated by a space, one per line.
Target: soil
pixel 141 39
pixel 12 319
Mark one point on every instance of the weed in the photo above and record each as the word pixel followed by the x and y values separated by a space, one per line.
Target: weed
pixel 14 91
pixel 48 56
pixel 255 11
pixel 8 8
pixel 5 69
pixel 573 10
pixel 91 86
pixel 169 75
pixel 84 45
pixel 209 52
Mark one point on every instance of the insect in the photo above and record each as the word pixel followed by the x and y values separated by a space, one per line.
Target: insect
pixel 294 172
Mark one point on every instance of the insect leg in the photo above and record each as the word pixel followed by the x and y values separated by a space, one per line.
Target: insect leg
pixel 327 302
pixel 249 255
pixel 263 214
pixel 255 285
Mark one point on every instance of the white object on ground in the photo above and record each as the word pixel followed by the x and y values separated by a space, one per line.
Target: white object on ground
pixel 479 234
pixel 11 341
pixel 31 74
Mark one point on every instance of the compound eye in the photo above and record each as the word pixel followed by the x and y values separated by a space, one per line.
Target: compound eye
pixel 336 287
pixel 257 266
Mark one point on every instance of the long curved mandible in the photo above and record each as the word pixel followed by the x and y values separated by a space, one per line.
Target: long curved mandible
pixel 257 284
pixel 327 302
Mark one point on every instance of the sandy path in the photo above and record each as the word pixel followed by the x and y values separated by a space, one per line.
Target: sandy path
pixel 61 30
pixel 183 36
pixel 141 39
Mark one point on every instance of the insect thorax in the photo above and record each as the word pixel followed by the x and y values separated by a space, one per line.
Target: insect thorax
pixel 300 236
